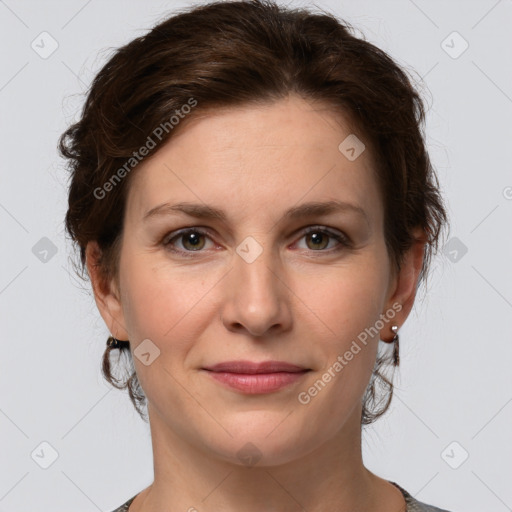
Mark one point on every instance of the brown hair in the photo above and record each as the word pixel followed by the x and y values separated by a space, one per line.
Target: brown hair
pixel 235 53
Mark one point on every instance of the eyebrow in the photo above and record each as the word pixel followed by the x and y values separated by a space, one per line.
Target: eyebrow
pixel 203 211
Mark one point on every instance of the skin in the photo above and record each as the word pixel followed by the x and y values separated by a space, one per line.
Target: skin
pixel 298 301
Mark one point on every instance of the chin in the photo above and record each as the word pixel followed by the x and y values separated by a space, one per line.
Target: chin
pixel 256 444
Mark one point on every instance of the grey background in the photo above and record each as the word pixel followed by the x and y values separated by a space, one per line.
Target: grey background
pixel 454 383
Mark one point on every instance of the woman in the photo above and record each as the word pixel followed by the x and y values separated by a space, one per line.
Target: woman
pixel 289 154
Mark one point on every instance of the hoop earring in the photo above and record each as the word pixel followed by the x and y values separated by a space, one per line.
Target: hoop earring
pixel 115 343
pixel 396 343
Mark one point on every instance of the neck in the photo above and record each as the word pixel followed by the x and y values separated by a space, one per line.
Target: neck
pixel 331 477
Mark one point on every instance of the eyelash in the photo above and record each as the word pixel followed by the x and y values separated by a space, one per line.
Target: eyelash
pixel 344 241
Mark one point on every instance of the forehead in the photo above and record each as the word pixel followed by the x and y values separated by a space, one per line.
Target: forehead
pixel 255 154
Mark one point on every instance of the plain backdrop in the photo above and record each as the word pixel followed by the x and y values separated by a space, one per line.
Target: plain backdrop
pixel 447 436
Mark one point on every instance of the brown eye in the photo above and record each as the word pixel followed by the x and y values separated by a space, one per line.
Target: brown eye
pixel 320 237
pixel 319 240
pixel 192 240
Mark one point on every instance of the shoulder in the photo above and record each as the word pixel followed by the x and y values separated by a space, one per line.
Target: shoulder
pixel 124 506
pixel 413 505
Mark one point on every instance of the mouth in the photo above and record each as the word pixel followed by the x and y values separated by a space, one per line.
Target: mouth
pixel 256 378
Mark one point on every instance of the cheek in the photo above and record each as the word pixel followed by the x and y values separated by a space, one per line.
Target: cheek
pixel 343 308
pixel 162 305
pixel 344 300
pixel 346 351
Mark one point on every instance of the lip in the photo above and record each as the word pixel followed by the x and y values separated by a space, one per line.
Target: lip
pixel 256 378
pixel 250 367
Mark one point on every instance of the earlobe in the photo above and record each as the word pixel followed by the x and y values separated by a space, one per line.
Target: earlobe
pixel 106 293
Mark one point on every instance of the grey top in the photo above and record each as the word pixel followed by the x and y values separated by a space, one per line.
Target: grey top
pixel 412 504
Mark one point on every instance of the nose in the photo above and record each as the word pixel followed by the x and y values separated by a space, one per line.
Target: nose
pixel 257 298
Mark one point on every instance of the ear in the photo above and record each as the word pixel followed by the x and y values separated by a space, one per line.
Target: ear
pixel 403 284
pixel 106 293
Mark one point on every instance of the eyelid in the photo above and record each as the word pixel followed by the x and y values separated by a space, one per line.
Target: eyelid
pixel 343 240
pixel 180 232
pixel 335 233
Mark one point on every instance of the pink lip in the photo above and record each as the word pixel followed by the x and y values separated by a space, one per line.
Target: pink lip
pixel 251 367
pixel 256 378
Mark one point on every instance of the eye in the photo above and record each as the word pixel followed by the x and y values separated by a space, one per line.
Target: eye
pixel 320 236
pixel 193 240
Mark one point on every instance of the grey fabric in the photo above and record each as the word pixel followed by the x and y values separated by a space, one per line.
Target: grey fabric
pixel 413 505
pixel 124 507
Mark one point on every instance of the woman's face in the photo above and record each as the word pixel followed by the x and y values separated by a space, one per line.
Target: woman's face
pixel 247 283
